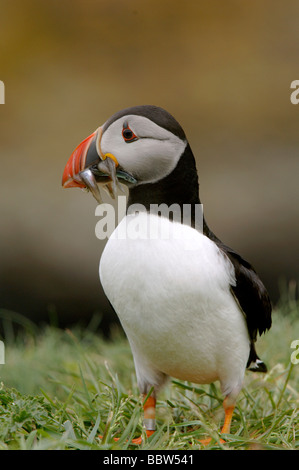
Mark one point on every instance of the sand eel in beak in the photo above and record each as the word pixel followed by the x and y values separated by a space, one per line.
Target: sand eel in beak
pixel 88 166
pixel 191 306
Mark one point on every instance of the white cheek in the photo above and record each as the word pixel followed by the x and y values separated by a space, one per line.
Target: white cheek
pixel 148 159
pixel 151 160
pixel 113 143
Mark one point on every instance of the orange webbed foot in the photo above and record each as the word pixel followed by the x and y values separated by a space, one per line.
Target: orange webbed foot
pixel 136 440
pixel 149 408
pixel 228 409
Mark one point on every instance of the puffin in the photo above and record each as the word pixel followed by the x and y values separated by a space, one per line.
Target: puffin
pixel 191 306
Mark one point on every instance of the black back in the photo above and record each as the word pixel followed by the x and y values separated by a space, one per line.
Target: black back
pixel 158 115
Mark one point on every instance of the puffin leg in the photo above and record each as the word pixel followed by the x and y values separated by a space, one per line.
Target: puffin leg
pixel 149 417
pixel 229 410
pixel 149 410
pixel 149 420
pixel 229 407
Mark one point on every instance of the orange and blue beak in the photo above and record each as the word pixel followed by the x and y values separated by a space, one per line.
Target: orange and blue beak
pixel 88 165
pixel 82 157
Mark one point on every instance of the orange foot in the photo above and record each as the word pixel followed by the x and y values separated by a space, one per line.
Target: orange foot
pixel 228 409
pixel 207 441
pixel 137 440
pixel 149 407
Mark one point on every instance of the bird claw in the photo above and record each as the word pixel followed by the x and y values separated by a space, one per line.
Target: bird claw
pixel 208 440
pixel 137 441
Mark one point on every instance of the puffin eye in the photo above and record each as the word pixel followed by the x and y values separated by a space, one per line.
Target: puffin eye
pixel 128 134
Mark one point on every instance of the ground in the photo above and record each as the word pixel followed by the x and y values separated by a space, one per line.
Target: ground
pixel 63 389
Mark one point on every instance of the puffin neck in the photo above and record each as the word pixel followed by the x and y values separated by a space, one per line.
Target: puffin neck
pixel 179 187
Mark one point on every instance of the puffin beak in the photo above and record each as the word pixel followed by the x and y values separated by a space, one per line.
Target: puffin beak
pixel 83 156
pixel 88 166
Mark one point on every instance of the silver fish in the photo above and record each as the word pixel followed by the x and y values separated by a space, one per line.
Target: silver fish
pixel 90 182
pixel 106 168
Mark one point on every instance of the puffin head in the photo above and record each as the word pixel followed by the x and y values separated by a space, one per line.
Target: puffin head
pixel 136 146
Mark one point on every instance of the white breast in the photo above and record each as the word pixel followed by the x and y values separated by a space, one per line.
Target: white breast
pixel 170 287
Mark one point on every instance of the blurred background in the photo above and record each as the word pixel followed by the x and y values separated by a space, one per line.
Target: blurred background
pixel 223 69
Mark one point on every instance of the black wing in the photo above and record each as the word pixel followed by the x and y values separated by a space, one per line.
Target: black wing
pixel 249 291
pixel 251 294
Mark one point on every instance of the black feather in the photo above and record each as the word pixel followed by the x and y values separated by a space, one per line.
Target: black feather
pixel 249 290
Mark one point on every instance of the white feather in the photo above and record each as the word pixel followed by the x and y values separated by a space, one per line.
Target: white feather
pixel 150 158
pixel 173 299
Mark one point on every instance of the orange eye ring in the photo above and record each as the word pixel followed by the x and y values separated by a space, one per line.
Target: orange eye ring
pixel 128 134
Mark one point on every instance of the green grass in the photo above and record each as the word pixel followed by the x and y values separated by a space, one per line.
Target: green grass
pixel 63 389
